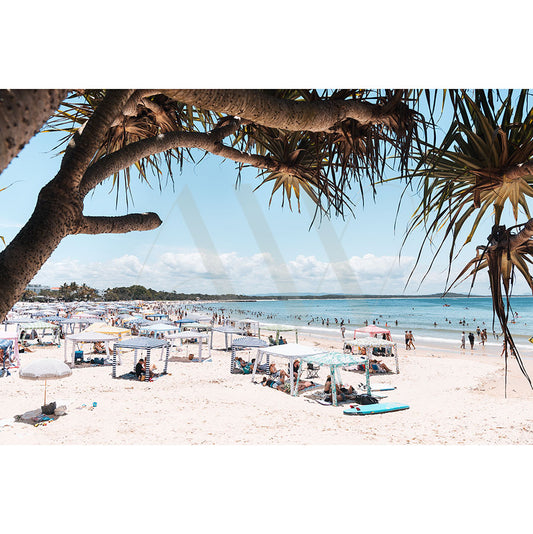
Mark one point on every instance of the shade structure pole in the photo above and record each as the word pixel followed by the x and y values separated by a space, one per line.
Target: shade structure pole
pixel 211 341
pixel 232 362
pixel 296 336
pixel 44 392
pixel 291 370
pixel 258 357
pixel 166 360
pixel 114 371
pixel 147 365
pixel 396 358
pixel 333 385
pixel 65 350
pixel 298 378
pixel 367 367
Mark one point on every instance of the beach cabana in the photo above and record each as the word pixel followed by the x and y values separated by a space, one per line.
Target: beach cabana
pixel 87 337
pixel 10 344
pixel 370 343
pixel 336 360
pixel 104 328
pixel 186 336
pixel 157 328
pixel 371 330
pixel 248 325
pixel 227 331
pixel 43 327
pixel 289 351
pixel 183 321
pixel 277 329
pixel 146 344
pixel 248 342
pixel 156 316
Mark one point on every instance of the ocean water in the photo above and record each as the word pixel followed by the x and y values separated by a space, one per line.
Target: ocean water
pixel 432 320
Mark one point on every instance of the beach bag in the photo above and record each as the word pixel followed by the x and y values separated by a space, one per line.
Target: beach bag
pixel 365 399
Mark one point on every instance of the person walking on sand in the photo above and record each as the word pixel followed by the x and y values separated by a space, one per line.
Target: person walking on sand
pixel 471 338
pixel 407 347
pixel 411 340
pixel 342 331
pixel 463 340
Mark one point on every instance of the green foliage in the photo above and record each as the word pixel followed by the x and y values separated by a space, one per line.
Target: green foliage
pixel 466 178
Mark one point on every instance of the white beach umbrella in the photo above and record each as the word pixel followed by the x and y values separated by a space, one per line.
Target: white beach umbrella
pixel 46 369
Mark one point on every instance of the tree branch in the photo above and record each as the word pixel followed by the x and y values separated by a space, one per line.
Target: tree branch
pixel 274 112
pixel 82 147
pixel 210 142
pixel 133 222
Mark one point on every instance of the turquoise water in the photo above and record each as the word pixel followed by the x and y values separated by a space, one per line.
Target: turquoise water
pixel 430 319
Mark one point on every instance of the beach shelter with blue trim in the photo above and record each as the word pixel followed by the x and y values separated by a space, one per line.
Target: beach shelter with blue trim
pixel 336 360
pixel 289 351
pixel 246 342
pixel 146 344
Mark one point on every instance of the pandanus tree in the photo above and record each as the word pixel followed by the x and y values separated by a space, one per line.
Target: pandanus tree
pixel 483 166
pixel 317 143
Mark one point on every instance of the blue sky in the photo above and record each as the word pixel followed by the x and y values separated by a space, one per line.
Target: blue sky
pixel 216 238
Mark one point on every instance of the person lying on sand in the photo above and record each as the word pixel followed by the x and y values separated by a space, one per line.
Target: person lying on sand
pixel 377 366
pixel 281 375
pixel 99 348
pixel 341 389
pixel 244 366
pixel 285 386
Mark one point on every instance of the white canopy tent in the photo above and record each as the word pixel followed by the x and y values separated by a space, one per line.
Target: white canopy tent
pixel 277 329
pixel 370 343
pixel 87 337
pixel 248 325
pixel 336 360
pixel 152 330
pixel 227 331
pixel 186 336
pixel 290 351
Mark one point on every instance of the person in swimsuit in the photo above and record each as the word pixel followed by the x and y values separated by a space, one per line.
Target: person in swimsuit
pixel 280 375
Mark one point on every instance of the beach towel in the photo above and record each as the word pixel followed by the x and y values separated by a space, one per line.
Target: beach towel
pixel 132 376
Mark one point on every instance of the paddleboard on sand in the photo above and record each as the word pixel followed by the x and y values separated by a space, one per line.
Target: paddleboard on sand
pixel 369 409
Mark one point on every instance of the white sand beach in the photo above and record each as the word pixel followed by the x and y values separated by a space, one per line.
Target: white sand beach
pixel 455 398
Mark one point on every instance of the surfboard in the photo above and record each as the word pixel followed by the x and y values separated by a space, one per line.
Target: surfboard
pixel 370 409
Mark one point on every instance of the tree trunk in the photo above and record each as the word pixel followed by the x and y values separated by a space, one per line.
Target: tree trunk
pixel 51 221
pixel 22 114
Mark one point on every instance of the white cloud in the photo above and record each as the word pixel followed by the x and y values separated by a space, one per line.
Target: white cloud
pixel 255 274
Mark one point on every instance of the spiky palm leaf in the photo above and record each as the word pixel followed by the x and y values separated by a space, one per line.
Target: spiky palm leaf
pixel 156 114
pixel 469 175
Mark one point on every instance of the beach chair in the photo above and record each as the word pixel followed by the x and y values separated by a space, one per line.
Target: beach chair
pixel 312 370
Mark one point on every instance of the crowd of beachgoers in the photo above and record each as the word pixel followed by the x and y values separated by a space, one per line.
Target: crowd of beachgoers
pixel 214 398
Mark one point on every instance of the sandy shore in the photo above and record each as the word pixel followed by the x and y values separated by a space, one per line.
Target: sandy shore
pixel 454 398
